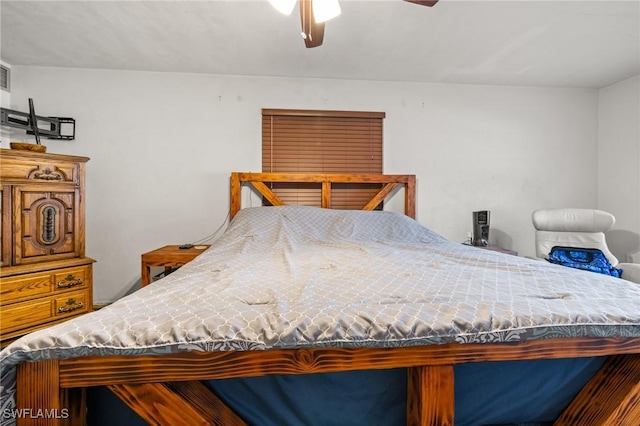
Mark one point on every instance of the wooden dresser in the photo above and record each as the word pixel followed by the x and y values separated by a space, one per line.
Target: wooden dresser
pixel 45 277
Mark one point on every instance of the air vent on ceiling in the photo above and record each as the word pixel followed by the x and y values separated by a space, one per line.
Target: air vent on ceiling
pixel 5 76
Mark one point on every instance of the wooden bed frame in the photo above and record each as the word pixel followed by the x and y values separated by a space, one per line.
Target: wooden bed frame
pixel 166 389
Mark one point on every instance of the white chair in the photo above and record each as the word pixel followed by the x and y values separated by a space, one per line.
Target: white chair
pixel 578 228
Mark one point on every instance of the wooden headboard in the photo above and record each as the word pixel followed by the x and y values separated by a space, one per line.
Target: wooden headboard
pixel 259 181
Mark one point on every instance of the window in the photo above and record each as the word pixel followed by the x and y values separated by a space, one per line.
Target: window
pixel 309 141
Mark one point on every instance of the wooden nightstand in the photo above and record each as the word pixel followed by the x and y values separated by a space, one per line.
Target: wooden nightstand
pixel 169 257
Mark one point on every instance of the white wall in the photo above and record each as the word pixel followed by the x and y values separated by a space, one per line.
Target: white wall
pixel 619 163
pixel 162 146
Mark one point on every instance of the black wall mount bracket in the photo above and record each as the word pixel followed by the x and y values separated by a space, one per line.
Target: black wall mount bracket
pixel 54 127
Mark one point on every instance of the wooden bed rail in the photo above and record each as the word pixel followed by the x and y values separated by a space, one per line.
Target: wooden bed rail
pixel 259 180
pixel 150 384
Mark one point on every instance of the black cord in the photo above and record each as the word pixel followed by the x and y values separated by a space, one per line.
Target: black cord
pixel 212 235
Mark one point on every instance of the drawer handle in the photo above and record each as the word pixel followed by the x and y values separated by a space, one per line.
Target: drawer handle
pixel 70 306
pixel 69 281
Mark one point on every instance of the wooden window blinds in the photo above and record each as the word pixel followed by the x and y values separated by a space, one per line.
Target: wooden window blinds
pixel 312 141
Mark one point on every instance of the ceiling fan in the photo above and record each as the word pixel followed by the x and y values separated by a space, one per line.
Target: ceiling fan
pixel 314 13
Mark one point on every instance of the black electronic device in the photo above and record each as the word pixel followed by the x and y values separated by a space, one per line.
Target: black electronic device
pixel 481 220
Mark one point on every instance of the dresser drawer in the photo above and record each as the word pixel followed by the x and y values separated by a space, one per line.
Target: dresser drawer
pixel 26 314
pixel 71 304
pixel 40 284
pixel 39 171
pixel 20 316
pixel 72 278
pixel 28 286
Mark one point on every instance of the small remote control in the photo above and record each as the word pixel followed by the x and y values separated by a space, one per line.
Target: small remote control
pixel 185 246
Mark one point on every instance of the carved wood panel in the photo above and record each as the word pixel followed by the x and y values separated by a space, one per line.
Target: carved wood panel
pixel 45 224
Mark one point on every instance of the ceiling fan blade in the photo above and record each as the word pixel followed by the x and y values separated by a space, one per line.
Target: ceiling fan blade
pixel 312 31
pixel 428 3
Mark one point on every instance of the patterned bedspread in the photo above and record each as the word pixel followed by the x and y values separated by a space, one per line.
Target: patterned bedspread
pixel 284 277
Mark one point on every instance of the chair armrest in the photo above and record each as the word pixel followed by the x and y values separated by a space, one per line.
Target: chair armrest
pixel 630 271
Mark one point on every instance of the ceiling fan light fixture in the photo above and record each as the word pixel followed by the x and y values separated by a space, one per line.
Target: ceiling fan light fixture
pixel 283 6
pixel 324 10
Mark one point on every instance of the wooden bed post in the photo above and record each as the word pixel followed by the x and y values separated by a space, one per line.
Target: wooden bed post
pixel 430 397
pixel 236 195
pixel 326 195
pixel 410 197
pixel 38 395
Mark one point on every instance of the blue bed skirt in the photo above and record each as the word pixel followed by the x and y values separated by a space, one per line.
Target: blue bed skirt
pixel 487 393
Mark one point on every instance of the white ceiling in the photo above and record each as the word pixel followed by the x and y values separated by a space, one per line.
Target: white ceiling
pixel 516 42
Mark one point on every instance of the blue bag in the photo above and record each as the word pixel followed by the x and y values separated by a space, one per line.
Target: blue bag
pixel 583 258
